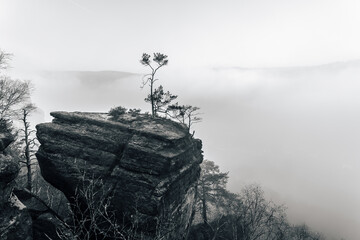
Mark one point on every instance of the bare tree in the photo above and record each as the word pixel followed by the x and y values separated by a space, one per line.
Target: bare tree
pixel 94 218
pixel 244 216
pixel 29 142
pixel 91 216
pixel 185 114
pixel 4 59
pixel 303 232
pixel 160 60
pixel 12 92
pixel 257 217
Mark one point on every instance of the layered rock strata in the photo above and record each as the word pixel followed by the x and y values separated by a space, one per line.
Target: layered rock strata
pixel 147 166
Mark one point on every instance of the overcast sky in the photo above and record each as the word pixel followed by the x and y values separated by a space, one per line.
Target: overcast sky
pixel 277 81
pixel 110 34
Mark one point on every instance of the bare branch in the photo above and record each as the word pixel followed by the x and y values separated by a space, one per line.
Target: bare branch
pixel 4 59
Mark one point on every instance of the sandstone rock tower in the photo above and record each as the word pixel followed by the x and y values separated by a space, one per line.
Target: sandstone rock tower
pixel 148 166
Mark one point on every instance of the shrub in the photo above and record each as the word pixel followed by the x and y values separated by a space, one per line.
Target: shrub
pixel 116 112
pixel 134 111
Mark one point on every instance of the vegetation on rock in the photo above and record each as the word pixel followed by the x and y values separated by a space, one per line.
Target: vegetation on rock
pixel 156 94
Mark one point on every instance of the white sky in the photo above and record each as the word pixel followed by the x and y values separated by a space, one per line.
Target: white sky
pixel 295 131
pixel 97 35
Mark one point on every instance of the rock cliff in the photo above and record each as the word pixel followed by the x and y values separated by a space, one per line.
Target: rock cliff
pixel 15 221
pixel 148 166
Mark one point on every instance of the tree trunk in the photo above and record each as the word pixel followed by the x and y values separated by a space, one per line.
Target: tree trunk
pixel 193 211
pixel 28 166
pixel 29 181
pixel 27 151
pixel 152 95
pixel 203 200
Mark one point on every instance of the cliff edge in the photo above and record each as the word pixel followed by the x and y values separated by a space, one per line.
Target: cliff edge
pixel 147 166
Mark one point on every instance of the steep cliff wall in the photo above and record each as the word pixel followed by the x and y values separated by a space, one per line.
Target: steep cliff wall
pixel 15 221
pixel 148 166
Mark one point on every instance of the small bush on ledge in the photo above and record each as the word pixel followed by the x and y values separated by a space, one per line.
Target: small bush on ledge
pixel 116 112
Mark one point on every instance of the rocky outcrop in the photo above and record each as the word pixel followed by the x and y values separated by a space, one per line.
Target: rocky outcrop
pixel 46 221
pixel 148 167
pixel 15 221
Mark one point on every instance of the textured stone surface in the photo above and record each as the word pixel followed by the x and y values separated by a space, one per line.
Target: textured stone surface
pixel 8 172
pixel 15 221
pixel 5 139
pixel 148 165
pixel 44 224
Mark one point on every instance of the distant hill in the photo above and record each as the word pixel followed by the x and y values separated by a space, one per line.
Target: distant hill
pixel 326 66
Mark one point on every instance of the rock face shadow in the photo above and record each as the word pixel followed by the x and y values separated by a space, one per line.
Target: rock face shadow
pixel 144 168
pixel 15 221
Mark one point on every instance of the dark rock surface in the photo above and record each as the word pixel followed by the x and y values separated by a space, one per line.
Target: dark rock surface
pixel 45 223
pixel 148 166
pixel 5 137
pixel 5 140
pixel 15 221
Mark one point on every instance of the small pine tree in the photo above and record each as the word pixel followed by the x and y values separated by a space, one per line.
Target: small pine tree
pixel 185 114
pixel 160 61
pixel 160 99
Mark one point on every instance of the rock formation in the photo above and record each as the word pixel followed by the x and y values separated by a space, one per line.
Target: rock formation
pixel 146 166
pixel 15 221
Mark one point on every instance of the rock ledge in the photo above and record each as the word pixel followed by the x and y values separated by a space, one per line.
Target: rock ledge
pixel 149 166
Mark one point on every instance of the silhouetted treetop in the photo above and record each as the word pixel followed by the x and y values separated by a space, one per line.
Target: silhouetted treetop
pixel 161 60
